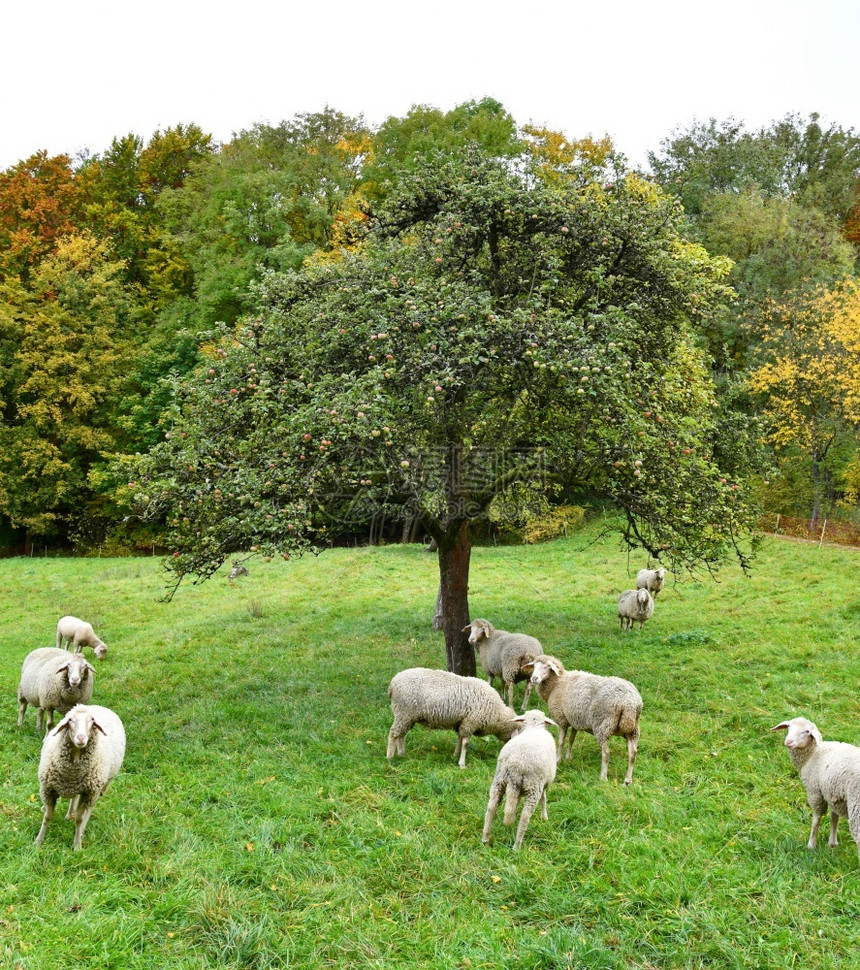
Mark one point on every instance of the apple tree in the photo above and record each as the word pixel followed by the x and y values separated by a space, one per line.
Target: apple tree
pixel 497 333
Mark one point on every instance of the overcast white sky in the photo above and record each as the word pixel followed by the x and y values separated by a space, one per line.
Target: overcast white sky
pixel 75 75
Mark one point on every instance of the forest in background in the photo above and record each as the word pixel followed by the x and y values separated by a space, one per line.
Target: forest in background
pixel 116 267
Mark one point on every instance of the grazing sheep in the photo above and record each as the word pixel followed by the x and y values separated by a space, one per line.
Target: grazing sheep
pixel 634 605
pixel 578 701
pixel 53 679
pixel 439 699
pixel 80 758
pixel 503 654
pixel 78 635
pixel 651 579
pixel 525 769
pixel 830 772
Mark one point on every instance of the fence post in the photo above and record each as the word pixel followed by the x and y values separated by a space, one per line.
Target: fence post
pixel 776 527
pixel 822 533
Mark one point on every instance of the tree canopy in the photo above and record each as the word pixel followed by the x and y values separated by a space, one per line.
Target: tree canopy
pixel 497 332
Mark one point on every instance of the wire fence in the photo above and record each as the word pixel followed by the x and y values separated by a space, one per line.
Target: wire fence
pixel 823 531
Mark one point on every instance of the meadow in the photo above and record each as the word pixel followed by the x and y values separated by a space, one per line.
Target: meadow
pixel 257 823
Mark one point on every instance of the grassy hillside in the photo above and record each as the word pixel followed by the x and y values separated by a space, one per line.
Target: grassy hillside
pixel 257 823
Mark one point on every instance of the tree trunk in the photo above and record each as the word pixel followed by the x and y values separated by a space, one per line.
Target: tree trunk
pixel 438 613
pixel 455 550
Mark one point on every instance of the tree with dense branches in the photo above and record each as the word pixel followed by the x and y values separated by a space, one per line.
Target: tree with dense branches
pixel 498 333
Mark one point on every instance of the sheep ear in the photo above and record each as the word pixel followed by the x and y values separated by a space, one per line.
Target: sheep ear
pixel 554 667
pixel 89 666
pixel 100 728
pixel 549 720
pixel 518 719
pixel 527 668
pixel 467 627
pixel 64 667
pixel 781 727
pixel 62 726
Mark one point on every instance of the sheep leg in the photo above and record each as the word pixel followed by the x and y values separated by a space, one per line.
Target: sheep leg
pixel 562 731
pixel 526 696
pixel 496 791
pixel 571 737
pixel 817 814
pixel 397 737
pixel 83 810
pixel 22 707
pixel 543 813
pixel 833 841
pixel 73 805
pixel 604 758
pixel 40 720
pixel 529 805
pixel 462 743
pixel 510 694
pixel 632 746
pixel 49 799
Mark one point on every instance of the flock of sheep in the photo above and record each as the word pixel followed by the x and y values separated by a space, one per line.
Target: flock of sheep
pixel 605 707
pixel 84 752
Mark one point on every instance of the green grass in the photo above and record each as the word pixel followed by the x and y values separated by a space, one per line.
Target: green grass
pixel 257 824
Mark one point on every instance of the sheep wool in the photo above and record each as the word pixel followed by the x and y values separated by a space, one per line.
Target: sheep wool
pixel 503 654
pixel 651 579
pixel 525 769
pixel 78 635
pixel 579 701
pixel 80 758
pixel 830 772
pixel 53 680
pixel 439 699
pixel 634 606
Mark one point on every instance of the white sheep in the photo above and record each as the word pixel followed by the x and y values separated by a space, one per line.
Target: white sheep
pixel 503 654
pixel 439 699
pixel 634 606
pixel 78 635
pixel 830 772
pixel 53 680
pixel 579 701
pixel 525 769
pixel 651 579
pixel 80 758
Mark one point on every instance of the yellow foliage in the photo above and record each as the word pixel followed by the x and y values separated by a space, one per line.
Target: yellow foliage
pixel 811 376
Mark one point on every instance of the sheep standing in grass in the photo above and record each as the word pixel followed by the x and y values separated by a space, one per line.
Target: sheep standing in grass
pixel 78 635
pixel 503 654
pixel 578 701
pixel 830 772
pixel 651 579
pixel 439 699
pixel 525 769
pixel 53 680
pixel 80 758
pixel 634 606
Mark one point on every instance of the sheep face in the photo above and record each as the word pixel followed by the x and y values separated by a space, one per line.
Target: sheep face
pixel 801 733
pixel 76 670
pixel 540 670
pixel 478 629
pixel 642 598
pixel 79 724
pixel 100 651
